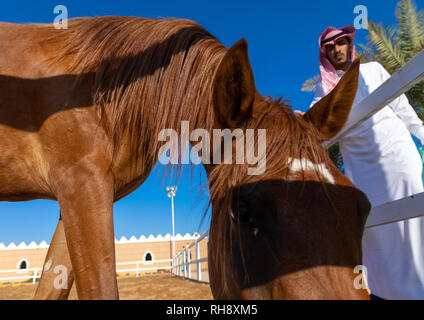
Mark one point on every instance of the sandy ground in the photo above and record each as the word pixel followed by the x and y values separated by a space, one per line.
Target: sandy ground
pixel 150 287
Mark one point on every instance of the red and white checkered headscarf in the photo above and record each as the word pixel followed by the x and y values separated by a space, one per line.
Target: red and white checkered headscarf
pixel 329 77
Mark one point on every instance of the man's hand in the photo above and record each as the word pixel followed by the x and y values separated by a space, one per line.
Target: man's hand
pixel 300 113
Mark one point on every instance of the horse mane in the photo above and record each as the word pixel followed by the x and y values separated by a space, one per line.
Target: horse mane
pixel 148 74
pixel 167 65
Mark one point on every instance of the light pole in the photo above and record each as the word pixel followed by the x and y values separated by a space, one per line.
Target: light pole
pixel 172 191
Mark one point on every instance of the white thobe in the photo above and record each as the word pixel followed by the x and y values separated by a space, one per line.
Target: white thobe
pixel 381 159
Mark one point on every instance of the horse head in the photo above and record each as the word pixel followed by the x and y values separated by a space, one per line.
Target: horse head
pixel 294 230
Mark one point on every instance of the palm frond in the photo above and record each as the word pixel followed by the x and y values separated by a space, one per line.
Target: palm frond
pixel 366 54
pixel 384 41
pixel 410 30
pixel 421 21
pixel 310 84
pixel 421 17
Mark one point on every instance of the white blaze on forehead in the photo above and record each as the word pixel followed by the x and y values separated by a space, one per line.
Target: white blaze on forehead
pixel 297 165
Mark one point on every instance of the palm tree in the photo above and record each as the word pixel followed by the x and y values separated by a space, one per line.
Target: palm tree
pixel 393 47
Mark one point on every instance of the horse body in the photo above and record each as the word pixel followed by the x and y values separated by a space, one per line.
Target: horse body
pixel 18 182
pixel 41 119
pixel 80 114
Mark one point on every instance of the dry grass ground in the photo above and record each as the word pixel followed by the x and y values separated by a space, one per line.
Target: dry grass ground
pixel 149 287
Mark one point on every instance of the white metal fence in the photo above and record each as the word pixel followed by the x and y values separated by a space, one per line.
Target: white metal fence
pixel 182 262
pixel 180 265
pixel 32 274
pixel 139 269
pixel 22 274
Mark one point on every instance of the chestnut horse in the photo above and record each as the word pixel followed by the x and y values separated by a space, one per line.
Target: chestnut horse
pixel 80 114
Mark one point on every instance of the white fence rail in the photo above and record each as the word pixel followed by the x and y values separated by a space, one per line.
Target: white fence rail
pixel 36 274
pixel 139 269
pixel 399 210
pixel 182 262
pixel 25 274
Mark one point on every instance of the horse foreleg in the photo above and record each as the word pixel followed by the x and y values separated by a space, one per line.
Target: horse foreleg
pixel 57 276
pixel 86 201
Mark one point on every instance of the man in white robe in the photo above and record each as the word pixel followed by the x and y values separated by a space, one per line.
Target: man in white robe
pixel 382 160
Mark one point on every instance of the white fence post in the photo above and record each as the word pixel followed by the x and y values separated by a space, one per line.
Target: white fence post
pixel 188 262
pixel 138 269
pixel 185 261
pixel 179 264
pixel 199 271
pixel 34 277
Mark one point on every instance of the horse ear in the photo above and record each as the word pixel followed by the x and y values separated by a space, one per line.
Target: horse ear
pixel 234 87
pixel 330 114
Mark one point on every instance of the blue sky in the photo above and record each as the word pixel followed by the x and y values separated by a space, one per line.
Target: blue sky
pixel 283 49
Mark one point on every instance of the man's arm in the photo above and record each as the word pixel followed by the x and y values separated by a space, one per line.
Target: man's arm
pixel 404 110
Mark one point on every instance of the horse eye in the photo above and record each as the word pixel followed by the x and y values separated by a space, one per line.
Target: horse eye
pixel 240 214
pixel 233 216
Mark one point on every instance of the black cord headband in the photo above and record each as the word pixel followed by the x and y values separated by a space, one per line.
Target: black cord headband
pixel 334 37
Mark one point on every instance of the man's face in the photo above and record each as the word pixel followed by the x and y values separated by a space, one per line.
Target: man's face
pixel 339 53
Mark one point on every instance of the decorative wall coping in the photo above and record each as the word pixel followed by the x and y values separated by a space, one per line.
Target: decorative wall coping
pixel 151 238
pixel 12 246
pixel 158 238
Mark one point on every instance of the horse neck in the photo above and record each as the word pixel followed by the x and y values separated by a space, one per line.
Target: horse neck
pixel 177 98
